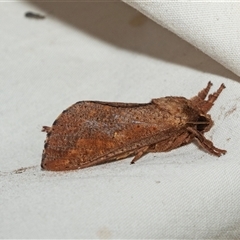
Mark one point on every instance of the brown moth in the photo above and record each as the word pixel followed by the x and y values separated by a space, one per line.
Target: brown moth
pixel 92 132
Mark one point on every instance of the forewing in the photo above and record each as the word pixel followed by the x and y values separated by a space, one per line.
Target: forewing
pixel 89 133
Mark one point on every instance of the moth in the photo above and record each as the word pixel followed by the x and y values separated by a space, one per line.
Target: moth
pixel 89 133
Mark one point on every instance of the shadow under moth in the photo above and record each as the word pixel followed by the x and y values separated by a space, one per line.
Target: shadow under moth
pixel 89 133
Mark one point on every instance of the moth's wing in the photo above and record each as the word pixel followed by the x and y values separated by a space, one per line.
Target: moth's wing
pixel 88 133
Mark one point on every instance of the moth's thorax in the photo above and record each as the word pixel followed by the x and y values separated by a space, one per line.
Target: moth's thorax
pixel 182 112
pixel 177 107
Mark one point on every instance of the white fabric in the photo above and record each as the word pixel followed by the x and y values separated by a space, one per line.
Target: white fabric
pixel 109 52
pixel 212 27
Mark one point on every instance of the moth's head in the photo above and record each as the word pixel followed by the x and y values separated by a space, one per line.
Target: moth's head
pixel 204 123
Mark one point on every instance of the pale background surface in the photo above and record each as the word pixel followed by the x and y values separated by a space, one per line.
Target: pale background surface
pixel 109 52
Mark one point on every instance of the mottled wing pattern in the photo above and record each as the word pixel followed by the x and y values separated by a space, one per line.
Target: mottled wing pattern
pixel 88 133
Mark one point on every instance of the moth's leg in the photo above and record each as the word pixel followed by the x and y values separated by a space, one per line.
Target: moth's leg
pixel 140 153
pixel 206 106
pixel 206 144
pixel 46 129
pixel 201 95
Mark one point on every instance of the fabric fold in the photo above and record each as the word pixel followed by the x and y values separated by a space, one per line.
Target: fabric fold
pixel 212 27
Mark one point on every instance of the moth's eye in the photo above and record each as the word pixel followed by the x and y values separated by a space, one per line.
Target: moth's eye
pixel 203 123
